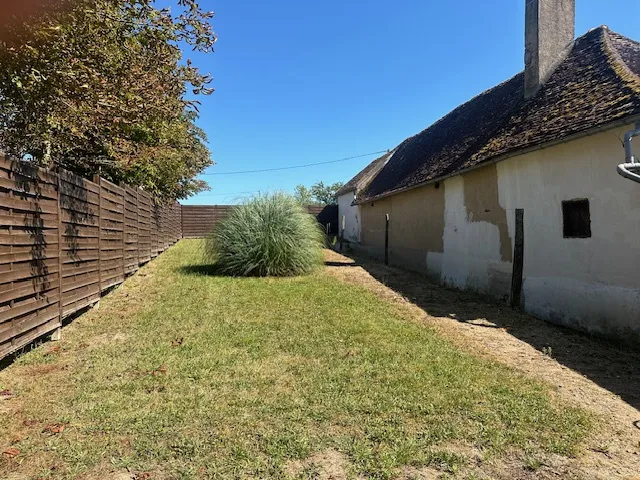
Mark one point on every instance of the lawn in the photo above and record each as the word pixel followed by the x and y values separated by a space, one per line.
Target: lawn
pixel 181 374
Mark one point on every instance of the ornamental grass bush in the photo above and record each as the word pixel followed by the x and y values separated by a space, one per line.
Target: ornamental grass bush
pixel 270 235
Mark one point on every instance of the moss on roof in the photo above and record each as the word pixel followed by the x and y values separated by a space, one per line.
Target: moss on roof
pixel 362 179
pixel 597 84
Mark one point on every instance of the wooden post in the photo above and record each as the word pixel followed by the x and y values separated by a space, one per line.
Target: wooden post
pixel 137 229
pixel 386 239
pixel 57 333
pixel 518 260
pixel 123 186
pixel 96 180
pixel 124 230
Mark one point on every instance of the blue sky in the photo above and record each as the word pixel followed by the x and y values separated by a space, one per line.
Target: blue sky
pixel 303 82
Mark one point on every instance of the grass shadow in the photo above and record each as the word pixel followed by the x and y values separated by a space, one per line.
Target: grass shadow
pixel 202 270
pixel 613 366
pixel 341 264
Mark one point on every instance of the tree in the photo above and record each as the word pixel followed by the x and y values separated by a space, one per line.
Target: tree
pixel 303 195
pixel 318 194
pixel 326 194
pixel 100 86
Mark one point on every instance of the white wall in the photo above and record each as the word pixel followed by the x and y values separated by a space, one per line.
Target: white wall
pixel 588 283
pixel 471 257
pixel 351 214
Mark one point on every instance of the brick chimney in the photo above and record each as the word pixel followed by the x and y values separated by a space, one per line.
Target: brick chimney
pixel 549 35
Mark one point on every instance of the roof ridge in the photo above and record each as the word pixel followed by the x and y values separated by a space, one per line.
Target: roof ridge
pixel 597 85
pixel 472 99
pixel 617 63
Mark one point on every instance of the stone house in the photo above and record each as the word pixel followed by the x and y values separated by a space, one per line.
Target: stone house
pixel 516 193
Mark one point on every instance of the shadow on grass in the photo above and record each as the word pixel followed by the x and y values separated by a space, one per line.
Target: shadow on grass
pixel 342 264
pixel 210 270
pixel 614 367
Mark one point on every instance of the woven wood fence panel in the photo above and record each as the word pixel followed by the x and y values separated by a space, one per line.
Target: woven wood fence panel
pixel 64 240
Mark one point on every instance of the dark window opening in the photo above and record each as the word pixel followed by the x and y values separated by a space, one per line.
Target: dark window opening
pixel 576 219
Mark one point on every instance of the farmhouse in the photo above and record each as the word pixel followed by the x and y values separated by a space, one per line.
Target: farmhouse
pixel 350 212
pixel 517 193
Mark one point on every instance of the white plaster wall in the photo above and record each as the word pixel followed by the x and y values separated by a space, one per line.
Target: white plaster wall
pixel 471 256
pixel 351 215
pixel 593 283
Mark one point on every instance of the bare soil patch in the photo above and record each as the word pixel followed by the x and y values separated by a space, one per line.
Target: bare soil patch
pixel 588 372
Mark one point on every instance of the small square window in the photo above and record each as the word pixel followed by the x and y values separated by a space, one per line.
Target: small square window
pixel 576 219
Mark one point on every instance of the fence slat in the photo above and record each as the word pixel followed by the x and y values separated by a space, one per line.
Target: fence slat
pixel 64 240
pixel 29 254
pixel 197 221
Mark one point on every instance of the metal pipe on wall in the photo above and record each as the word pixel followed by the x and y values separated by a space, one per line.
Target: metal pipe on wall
pixel 630 169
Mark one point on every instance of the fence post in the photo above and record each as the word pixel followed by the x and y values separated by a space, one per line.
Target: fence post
pixel 57 333
pixel 386 239
pixel 96 180
pixel 124 230
pixel 137 231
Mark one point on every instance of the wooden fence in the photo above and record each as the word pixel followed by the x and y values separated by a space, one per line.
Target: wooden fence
pixel 64 240
pixel 199 220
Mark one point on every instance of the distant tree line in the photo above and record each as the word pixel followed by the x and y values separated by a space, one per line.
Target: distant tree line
pixel 101 86
pixel 318 194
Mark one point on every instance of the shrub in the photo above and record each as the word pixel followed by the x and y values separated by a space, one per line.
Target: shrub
pixel 270 235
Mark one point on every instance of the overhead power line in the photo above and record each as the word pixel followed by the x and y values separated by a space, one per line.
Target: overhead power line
pixel 226 194
pixel 297 166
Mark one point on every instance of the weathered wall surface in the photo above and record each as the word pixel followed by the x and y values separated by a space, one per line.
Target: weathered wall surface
pixel 477 246
pixel 462 233
pixel 351 214
pixel 592 283
pixel 416 223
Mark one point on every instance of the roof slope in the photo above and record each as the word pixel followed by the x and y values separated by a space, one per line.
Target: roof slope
pixel 362 179
pixel 597 84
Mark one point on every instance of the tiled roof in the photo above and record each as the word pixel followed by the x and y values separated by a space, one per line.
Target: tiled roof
pixel 596 85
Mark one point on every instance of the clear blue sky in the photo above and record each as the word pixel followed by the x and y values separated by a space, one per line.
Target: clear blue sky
pixel 303 82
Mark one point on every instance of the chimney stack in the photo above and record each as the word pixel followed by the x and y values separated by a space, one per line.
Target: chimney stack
pixel 549 35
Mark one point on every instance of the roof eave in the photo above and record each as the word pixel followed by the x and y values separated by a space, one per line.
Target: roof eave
pixel 340 193
pixel 499 158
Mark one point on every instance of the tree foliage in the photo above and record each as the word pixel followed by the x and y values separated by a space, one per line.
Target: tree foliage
pixel 318 194
pixel 100 86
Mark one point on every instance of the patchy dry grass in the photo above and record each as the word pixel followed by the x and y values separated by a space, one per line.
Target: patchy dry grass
pixel 185 375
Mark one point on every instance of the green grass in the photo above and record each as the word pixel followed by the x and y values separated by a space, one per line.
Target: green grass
pixel 269 371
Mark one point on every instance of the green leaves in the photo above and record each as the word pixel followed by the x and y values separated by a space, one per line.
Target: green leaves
pixel 100 86
pixel 318 194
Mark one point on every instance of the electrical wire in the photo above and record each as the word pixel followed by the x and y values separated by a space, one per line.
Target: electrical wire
pixel 297 166
pixel 226 194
